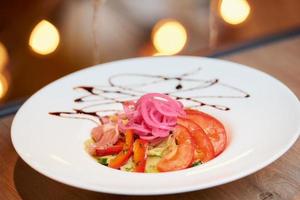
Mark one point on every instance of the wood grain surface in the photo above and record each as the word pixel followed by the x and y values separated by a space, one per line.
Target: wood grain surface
pixel 280 180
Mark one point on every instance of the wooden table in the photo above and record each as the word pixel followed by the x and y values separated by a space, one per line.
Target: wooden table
pixel 280 180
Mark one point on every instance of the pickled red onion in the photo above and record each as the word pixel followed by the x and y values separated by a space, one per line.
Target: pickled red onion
pixel 153 116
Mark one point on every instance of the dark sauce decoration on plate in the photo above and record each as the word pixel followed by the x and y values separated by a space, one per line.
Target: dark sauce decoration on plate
pixel 115 93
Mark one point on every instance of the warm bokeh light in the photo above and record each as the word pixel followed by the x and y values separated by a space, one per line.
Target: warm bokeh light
pixel 234 11
pixel 44 38
pixel 169 37
pixel 3 56
pixel 158 54
pixel 3 86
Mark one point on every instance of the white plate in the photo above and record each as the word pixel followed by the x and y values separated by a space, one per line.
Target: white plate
pixel 261 128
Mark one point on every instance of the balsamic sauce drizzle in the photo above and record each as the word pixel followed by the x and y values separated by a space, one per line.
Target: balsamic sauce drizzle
pixel 115 93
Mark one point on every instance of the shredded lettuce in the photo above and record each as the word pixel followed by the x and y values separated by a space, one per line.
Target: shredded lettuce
pixel 158 151
pixel 129 166
pixel 104 160
pixel 151 164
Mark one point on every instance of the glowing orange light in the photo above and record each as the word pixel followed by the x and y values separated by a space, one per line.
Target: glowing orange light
pixel 3 56
pixel 3 86
pixel 159 54
pixel 44 38
pixel 234 11
pixel 169 37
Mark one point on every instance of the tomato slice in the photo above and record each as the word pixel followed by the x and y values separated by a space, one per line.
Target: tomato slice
pixel 140 155
pixel 126 152
pixel 212 127
pixel 187 123
pixel 204 150
pixel 182 156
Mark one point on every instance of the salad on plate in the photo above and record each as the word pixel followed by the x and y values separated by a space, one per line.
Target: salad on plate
pixel 156 134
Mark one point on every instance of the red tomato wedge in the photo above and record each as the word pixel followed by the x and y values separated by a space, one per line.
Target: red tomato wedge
pixel 212 127
pixel 187 123
pixel 126 152
pixel 140 155
pixel 182 156
pixel 204 150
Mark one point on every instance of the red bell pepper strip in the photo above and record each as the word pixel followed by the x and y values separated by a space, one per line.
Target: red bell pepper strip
pixel 140 155
pixel 126 152
pixel 110 150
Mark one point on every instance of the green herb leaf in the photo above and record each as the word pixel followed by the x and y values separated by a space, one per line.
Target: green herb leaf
pixel 103 161
pixel 196 163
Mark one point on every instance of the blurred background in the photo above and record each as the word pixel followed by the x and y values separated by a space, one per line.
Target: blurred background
pixel 42 40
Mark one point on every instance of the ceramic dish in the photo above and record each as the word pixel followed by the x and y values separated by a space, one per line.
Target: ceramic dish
pixel 261 116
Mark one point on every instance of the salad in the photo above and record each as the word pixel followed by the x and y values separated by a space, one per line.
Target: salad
pixel 156 134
